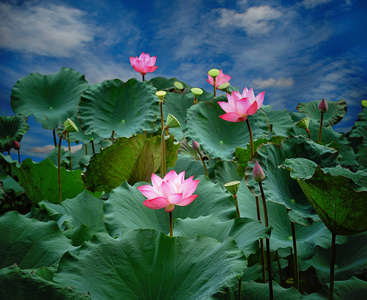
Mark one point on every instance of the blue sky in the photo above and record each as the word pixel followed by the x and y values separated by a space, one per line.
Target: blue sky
pixel 295 51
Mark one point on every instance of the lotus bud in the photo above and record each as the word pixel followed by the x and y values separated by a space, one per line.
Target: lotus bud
pixel 160 95
pixel 214 73
pixel 258 173
pixel 323 107
pixel 16 145
pixel 178 85
pixel 303 123
pixel 70 126
pixel 195 145
pixel 232 187
pixel 172 122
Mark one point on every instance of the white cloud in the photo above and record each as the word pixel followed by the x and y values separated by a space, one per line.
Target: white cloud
pixel 272 82
pixel 313 3
pixel 256 20
pixel 48 148
pixel 48 29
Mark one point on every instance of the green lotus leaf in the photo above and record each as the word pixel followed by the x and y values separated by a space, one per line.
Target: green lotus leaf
pixel 278 186
pixel 341 205
pixel 18 284
pixel 12 129
pixel 40 181
pixel 30 243
pixel 164 84
pixel 225 171
pixel 190 165
pixel 362 155
pixel 245 231
pixel 133 159
pixel 146 264
pixel 124 209
pixel 353 288
pixel 335 113
pixel 9 185
pixel 50 98
pixel 118 109
pixel 360 126
pixel 280 121
pixel 350 259
pixel 217 137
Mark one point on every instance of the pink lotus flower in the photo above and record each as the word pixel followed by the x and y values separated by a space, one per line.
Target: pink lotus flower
pixel 144 63
pixel 220 79
pixel 239 106
pixel 172 190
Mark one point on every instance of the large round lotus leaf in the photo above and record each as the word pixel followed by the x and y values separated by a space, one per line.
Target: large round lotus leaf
pixel 30 243
pixel 128 159
pixel 351 259
pixel 12 129
pixel 50 98
pixel 40 181
pixel 335 113
pixel 338 196
pixel 162 83
pixel 360 126
pixel 225 171
pixel 217 137
pixel 245 231
pixel 278 185
pixel 190 165
pixel 124 209
pixel 118 108
pixel 146 264
pixel 16 284
pixel 353 288
pixel 280 120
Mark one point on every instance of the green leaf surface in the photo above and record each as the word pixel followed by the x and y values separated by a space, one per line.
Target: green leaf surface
pixel 118 108
pixel 217 137
pixel 40 181
pixel 351 259
pixel 335 113
pixel 12 129
pixel 146 264
pixel 165 84
pixel 280 121
pixel 128 159
pixel 124 210
pixel 278 186
pixel 360 126
pixel 30 243
pixel 16 284
pixel 245 231
pixel 50 98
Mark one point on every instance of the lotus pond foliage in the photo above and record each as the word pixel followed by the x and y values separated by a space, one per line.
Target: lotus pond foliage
pixel 271 209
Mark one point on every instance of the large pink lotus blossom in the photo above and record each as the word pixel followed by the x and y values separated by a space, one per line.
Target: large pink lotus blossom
pixel 220 79
pixel 144 63
pixel 239 106
pixel 172 190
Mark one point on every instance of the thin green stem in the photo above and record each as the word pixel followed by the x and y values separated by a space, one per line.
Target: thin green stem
pixel 59 165
pixel 251 138
pixel 237 208
pixel 71 164
pixel 93 150
pixel 215 90
pixel 161 109
pixel 263 263
pixel 270 277
pixel 170 224
pixel 163 153
pixel 320 129
pixel 309 133
pixel 295 257
pixel 332 266
pixel 202 160
pixel 86 149
pixel 18 155
pixel 143 77
pixel 54 134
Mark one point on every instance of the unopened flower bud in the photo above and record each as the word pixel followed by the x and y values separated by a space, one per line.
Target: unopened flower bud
pixel 323 107
pixel 195 145
pixel 172 122
pixel 258 173
pixel 214 73
pixel 16 145
pixel 303 123
pixel 232 187
pixel 70 126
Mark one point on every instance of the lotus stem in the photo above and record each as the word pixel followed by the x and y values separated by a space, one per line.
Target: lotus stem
pixel 309 133
pixel 170 224
pixel 270 277
pixel 163 152
pixel 237 208
pixel 18 155
pixel 202 160
pixel 295 257
pixel 215 90
pixel 93 150
pixel 86 149
pixel 71 165
pixel 143 77
pixel 54 134
pixel 239 288
pixel 279 268
pixel 251 138
pixel 59 164
pixel 332 266
pixel 320 129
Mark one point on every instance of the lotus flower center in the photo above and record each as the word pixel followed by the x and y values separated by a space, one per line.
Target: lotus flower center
pixel 123 121
pixel 51 108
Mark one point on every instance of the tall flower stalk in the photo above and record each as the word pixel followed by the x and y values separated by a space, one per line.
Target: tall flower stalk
pixel 323 108
pixel 196 147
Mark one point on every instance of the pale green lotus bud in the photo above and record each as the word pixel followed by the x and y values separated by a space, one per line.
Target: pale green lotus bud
pixel 172 122
pixel 232 187
pixel 70 126
pixel 160 95
pixel 197 91
pixel 214 73
pixel 178 85
pixel 303 123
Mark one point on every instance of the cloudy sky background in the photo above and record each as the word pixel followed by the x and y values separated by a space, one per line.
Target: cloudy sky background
pixel 295 51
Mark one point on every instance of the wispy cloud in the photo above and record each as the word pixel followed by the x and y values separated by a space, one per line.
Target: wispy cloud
pixel 272 82
pixel 48 148
pixel 313 3
pixel 43 29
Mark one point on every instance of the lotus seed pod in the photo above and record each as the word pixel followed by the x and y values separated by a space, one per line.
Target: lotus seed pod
pixel 70 126
pixel 303 123
pixel 258 173
pixel 178 85
pixel 214 73
pixel 172 122
pixel 364 103
pixel 160 95
pixel 323 107
pixel 196 91
pixel 232 187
